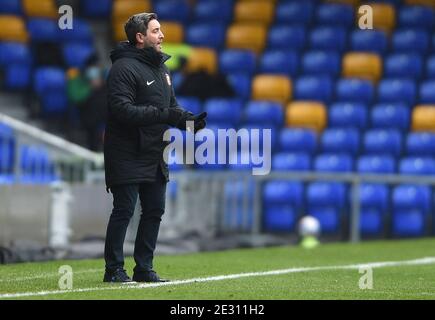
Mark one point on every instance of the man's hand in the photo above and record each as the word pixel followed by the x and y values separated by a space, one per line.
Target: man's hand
pixel 198 121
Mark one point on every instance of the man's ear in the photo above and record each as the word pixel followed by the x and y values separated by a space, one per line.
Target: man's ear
pixel 139 38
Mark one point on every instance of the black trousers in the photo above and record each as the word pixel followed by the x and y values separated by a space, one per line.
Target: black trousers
pixel 152 199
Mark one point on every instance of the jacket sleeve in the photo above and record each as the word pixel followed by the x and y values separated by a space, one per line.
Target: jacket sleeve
pixel 121 99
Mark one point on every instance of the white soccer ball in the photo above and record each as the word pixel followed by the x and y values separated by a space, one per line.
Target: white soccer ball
pixel 309 226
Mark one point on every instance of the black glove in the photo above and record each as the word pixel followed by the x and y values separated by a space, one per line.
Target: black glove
pixel 174 116
pixel 198 121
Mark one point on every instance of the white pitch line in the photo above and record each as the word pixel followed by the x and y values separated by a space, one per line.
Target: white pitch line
pixel 422 261
pixel 47 275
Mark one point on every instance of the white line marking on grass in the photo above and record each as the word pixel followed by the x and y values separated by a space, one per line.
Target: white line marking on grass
pixel 47 275
pixel 422 261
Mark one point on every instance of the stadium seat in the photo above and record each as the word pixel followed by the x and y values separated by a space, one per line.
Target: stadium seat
pixel 7 149
pixel 237 61
pixel 410 40
pixel 430 67
pixel 81 32
pixel 417 17
pixel 173 31
pixel 340 141
pixel 254 12
pixel 417 166
pixel 291 161
pixel 383 164
pixel 279 62
pixel 384 16
pixel 348 115
pixel 397 90
pixel 298 140
pixel 314 88
pixel 371 222
pixel 374 41
pixel 13 28
pixel 43 30
pixel 333 162
pixel 122 10
pixel 279 218
pixel 173 10
pixel 355 90
pixel 328 38
pixel 18 76
pixel 50 85
pixel 96 9
pixel 427 92
pixel 228 111
pixel 352 3
pixel 77 54
pixel 246 36
pixel 304 114
pixel 383 142
pixel 362 65
pixel 202 59
pixel 420 144
pixel 374 196
pixel 272 87
pixel 408 223
pixel 192 104
pixel 321 63
pixel 264 112
pixel 206 35
pixel 286 37
pixel 12 7
pixel 423 118
pixel 403 65
pixel 390 115
pixel 241 83
pixel 428 3
pixel 335 14
pixel 40 8
pixel 14 52
pixel 295 12
pixel 211 11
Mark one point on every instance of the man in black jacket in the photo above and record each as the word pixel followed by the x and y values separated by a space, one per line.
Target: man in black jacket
pixel 141 107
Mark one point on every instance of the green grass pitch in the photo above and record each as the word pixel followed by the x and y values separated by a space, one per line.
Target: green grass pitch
pixel 321 274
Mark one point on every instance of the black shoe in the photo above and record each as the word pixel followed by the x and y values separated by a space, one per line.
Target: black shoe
pixel 118 275
pixel 147 276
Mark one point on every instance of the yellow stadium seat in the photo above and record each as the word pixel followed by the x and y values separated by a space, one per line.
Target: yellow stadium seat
pixel 119 32
pixel 430 3
pixel 123 9
pixel 41 8
pixel 423 118
pixel 173 31
pixel 350 2
pixel 384 16
pixel 362 65
pixel 13 28
pixel 306 114
pixel 202 59
pixel 258 11
pixel 246 36
pixel 272 87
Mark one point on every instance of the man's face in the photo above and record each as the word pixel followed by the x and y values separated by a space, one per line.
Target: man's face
pixel 153 38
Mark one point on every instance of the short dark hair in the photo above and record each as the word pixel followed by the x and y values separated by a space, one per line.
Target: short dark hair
pixel 138 23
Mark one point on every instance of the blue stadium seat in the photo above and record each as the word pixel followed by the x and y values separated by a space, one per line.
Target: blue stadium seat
pixel 192 104
pixel 294 12
pixel 77 54
pixel 383 142
pixel 333 162
pixel 321 63
pixel 430 67
pixel 355 90
pixel 266 113
pixel 81 32
pixel 218 149
pixel 50 85
pixel 237 61
pixel 36 165
pixel 416 17
pixel 18 76
pixel 241 83
pixel 410 40
pixel 328 38
pixel 427 92
pixel 11 7
pixel 7 149
pixel 403 65
pixel 261 127
pixel 221 111
pixel 348 115
pixel 325 201
pixel 372 164
pixel 213 11
pixel 286 37
pixel 282 200
pixel 369 40
pixel 314 88
pixel 408 223
pixel 374 196
pixel 291 161
pixel 96 9
pixel 14 52
pixel 390 115
pixel 206 35
pixel 371 222
pixel 335 14
pixel 279 62
pixel 340 140
pixel 43 30
pixel 298 140
pixel 397 90
pixel 417 166
pixel 420 144
pixel 172 10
